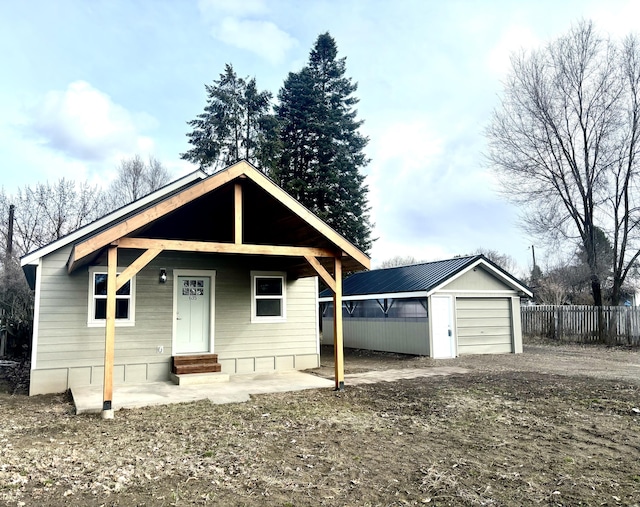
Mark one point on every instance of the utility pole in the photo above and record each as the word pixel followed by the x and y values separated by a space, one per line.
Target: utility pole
pixel 12 209
pixel 533 253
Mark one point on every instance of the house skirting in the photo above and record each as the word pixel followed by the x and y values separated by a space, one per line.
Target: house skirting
pixel 58 380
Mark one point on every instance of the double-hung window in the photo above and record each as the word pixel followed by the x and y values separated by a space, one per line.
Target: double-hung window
pixel 268 297
pixel 125 308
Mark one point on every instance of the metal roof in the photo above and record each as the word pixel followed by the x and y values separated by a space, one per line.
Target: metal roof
pixel 422 277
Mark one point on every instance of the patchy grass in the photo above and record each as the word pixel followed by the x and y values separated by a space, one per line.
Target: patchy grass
pixel 500 435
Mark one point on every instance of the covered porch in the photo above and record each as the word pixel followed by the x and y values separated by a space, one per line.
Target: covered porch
pixel 236 212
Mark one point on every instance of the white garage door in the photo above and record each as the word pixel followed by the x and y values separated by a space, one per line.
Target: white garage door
pixel 484 325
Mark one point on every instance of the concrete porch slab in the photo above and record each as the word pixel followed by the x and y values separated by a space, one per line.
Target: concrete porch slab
pixel 239 388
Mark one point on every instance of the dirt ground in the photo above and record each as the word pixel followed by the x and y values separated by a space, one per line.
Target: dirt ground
pixel 557 425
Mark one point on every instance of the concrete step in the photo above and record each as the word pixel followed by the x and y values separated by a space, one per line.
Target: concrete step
pixel 192 379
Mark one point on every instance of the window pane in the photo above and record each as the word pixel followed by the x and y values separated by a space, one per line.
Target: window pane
pixel 122 308
pixel 125 290
pixel 268 286
pixel 101 284
pixel 268 308
pixel 101 309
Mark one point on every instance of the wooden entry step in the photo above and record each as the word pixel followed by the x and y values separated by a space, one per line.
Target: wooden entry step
pixel 198 363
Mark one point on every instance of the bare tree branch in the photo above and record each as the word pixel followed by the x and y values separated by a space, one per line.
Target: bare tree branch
pixel 564 144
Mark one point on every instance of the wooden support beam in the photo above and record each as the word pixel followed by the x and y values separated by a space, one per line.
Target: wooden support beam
pixel 205 246
pixel 136 266
pixel 322 272
pixel 110 332
pixel 338 350
pixel 237 211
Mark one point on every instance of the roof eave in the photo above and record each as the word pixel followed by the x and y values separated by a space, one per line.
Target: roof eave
pixel 500 273
pixel 32 258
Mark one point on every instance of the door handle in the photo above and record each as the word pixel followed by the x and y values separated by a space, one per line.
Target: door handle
pixel 178 318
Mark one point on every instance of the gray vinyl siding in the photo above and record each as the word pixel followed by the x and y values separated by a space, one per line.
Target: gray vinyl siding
pixel 476 279
pixel 68 352
pixel 484 325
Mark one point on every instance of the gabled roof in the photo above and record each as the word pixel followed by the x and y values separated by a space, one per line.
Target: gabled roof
pixel 201 214
pixel 424 278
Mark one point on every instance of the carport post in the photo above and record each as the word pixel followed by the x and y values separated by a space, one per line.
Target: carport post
pixel 338 351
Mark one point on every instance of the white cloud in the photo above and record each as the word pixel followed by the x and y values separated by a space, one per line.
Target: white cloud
pixel 516 37
pixel 86 124
pixel 232 7
pixel 430 195
pixel 402 148
pixel 261 37
pixel 237 24
pixel 618 19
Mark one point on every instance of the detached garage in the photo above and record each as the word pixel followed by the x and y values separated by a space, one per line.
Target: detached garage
pixel 465 305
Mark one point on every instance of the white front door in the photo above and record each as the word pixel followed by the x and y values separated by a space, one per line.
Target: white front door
pixel 193 314
pixel 442 327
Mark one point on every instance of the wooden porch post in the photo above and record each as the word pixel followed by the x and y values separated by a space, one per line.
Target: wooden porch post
pixel 337 325
pixel 110 332
pixel 237 211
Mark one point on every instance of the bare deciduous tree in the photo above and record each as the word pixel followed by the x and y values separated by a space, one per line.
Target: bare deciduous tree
pixel 565 143
pixel 46 212
pixel 43 213
pixel 398 260
pixel 505 261
pixel 157 174
pixel 136 179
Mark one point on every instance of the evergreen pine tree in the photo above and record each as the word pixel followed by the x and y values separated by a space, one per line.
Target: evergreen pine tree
pixel 321 146
pixel 230 127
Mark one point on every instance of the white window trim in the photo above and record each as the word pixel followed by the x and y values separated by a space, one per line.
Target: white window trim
pixel 91 320
pixel 268 274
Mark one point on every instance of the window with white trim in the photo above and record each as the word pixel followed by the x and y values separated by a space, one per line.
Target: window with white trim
pixel 125 307
pixel 268 297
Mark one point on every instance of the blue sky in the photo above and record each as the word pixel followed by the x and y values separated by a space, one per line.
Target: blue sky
pixel 86 83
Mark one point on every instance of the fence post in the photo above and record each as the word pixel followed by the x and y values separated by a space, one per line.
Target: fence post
pixel 3 333
pixel 627 324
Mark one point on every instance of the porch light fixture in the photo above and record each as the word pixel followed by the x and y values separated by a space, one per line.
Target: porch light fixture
pixel 163 276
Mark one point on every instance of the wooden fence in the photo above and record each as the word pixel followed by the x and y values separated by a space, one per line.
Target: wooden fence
pixel 619 325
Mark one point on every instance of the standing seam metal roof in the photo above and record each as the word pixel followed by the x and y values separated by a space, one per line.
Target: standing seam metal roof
pixel 412 278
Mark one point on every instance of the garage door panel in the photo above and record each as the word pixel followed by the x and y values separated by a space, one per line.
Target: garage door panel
pixel 484 303
pixel 489 338
pixel 464 333
pixel 504 348
pixel 479 313
pixel 475 324
pixel 484 325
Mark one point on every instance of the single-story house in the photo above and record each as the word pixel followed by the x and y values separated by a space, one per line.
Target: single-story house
pixel 224 266
pixel 465 305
